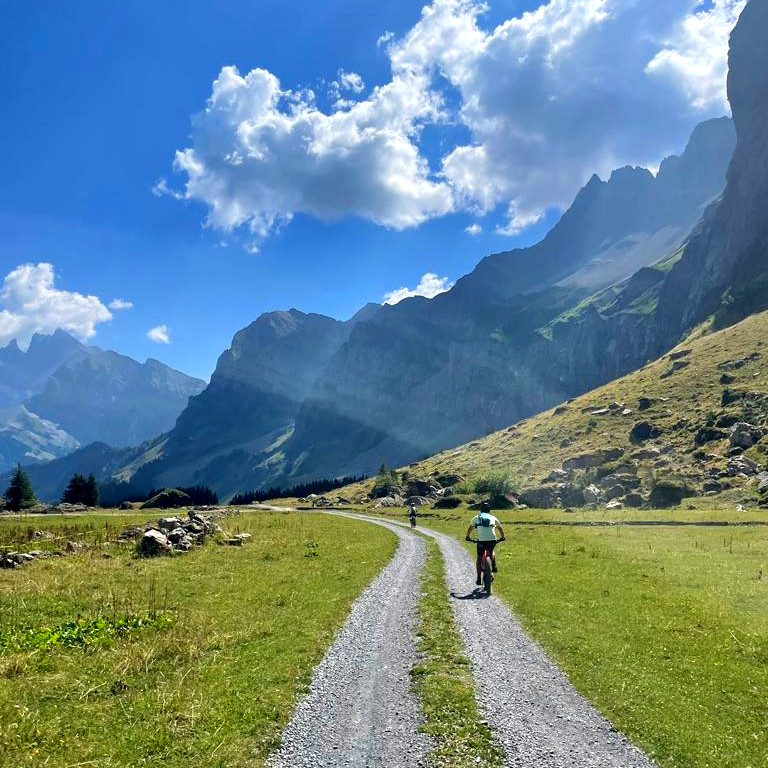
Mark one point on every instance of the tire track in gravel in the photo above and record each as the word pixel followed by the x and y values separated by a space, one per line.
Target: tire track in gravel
pixel 360 711
pixel 534 711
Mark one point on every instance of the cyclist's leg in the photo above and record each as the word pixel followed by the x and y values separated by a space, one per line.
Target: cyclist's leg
pixel 479 560
pixel 492 547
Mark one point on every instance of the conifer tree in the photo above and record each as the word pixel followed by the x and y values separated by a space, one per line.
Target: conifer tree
pixel 19 494
pixel 75 491
pixel 91 492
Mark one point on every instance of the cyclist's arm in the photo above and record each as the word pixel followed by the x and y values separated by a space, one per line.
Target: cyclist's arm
pixel 501 533
pixel 469 531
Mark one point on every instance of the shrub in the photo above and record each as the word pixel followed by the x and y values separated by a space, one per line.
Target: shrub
pixel 495 482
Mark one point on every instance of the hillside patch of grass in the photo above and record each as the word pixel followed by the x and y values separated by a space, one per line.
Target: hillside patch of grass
pixel 664 629
pixel 217 685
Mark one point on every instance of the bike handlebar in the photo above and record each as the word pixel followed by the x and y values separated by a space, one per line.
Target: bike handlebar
pixel 477 541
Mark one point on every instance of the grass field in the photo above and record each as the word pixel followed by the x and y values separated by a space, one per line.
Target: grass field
pixel 214 688
pixel 664 628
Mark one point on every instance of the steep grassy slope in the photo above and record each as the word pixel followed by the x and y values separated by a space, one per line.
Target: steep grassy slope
pixel 682 401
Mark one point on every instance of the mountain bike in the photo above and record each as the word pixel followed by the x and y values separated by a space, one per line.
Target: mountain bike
pixel 486 563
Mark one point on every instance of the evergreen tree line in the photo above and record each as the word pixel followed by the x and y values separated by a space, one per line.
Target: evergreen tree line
pixel 296 491
pixel 20 494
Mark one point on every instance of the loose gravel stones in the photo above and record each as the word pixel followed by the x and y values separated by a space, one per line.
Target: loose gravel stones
pixel 360 711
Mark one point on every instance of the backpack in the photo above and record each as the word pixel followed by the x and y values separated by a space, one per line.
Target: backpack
pixel 483 521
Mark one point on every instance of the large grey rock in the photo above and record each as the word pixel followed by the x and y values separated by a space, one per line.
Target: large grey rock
pixel 544 497
pixel 593 459
pixel 643 431
pixel 742 465
pixel 593 495
pixel 745 435
pixel 154 543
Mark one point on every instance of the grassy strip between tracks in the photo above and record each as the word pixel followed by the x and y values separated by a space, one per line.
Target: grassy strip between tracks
pixel 212 684
pixel 444 681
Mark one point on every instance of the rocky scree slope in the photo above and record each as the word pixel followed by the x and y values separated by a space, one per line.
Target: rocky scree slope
pixel 303 396
pixel 693 423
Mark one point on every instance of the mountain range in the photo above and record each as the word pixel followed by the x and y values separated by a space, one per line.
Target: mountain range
pixel 637 262
pixel 59 394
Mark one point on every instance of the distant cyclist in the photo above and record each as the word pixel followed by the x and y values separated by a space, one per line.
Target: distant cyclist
pixel 412 515
pixel 485 526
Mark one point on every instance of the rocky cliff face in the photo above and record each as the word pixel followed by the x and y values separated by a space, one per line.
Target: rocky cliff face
pixel 721 273
pixel 236 428
pixel 301 396
pixel 425 375
pixel 725 266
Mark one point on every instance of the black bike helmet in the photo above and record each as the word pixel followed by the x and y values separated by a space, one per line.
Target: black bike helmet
pixel 485 507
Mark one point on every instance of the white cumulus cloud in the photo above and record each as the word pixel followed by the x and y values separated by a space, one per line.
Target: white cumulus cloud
pixel 160 333
pixel 547 98
pixel 119 304
pixel 429 286
pixel 261 154
pixel 30 303
pixel 695 55
pixel 473 229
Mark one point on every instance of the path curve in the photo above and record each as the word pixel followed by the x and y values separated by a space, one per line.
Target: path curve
pixel 534 711
pixel 360 711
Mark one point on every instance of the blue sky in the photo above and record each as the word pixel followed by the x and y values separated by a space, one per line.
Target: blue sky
pixel 99 97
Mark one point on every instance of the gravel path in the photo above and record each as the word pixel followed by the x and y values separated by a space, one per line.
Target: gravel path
pixel 534 711
pixel 360 711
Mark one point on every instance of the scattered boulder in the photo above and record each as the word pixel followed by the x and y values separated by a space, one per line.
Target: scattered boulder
pixel 633 500
pixel 745 435
pixel 731 396
pixel 388 501
pixel 669 493
pixel 448 479
pixel 418 487
pixel 712 486
pixel 674 368
pixel 643 431
pixel 614 504
pixel 556 476
pixel 762 483
pixel 154 543
pixel 645 453
pixel 708 435
pixel 544 497
pixel 593 459
pixel 593 495
pixel 726 420
pixel 447 502
pixel 417 501
pixel 742 465
pixel 727 378
pixel 571 495
pixel 678 354
pixel 644 403
pixel 561 409
pixel 615 492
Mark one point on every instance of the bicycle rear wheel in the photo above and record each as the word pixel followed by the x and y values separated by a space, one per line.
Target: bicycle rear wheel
pixel 487 574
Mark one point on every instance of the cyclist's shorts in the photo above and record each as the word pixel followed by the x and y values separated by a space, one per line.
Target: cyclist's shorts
pixel 483 545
